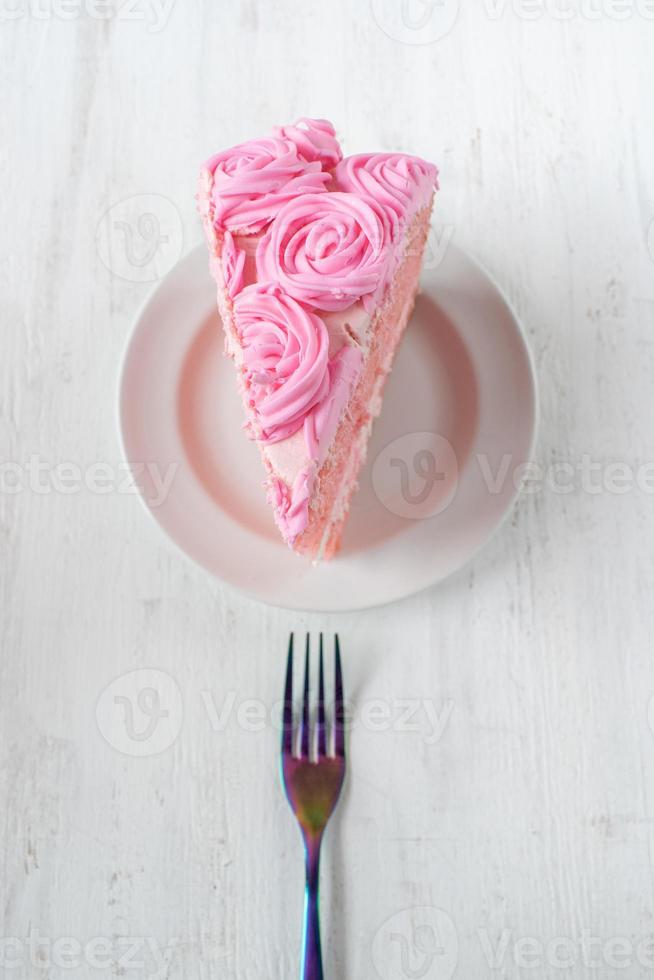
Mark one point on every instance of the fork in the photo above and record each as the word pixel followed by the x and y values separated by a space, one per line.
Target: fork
pixel 312 778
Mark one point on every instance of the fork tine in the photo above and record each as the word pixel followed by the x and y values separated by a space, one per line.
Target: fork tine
pixel 320 726
pixel 339 708
pixel 305 735
pixel 287 726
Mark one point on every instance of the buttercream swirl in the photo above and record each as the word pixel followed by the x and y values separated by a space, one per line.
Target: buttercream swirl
pixel 390 178
pixel 233 264
pixel 285 358
pixel 253 180
pixel 328 250
pixel 315 139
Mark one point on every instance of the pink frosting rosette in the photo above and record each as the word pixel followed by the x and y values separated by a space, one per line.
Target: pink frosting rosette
pixel 285 357
pixel 391 178
pixel 253 180
pixel 315 140
pixel 328 250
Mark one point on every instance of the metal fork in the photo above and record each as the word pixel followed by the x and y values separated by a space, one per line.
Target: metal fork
pixel 312 779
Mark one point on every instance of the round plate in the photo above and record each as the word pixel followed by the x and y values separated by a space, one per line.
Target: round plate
pixel 457 422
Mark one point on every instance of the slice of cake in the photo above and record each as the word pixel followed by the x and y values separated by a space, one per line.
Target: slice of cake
pixel 316 258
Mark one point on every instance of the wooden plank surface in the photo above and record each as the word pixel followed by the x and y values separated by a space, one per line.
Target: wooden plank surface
pixel 517 809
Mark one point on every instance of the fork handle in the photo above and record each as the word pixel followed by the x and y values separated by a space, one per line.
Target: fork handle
pixel 311 949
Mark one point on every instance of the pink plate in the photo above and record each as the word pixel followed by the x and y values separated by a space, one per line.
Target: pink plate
pixel 445 457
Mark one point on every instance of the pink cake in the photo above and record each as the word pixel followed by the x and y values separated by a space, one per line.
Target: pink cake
pixel 316 258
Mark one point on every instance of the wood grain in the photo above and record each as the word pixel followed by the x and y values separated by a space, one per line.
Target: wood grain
pixel 531 812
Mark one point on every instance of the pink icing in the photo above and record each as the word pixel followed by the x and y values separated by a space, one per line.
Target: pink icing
pixel 292 503
pixel 390 178
pixel 292 507
pixel 233 259
pixel 315 140
pixel 252 181
pixel 320 425
pixel 328 250
pixel 285 357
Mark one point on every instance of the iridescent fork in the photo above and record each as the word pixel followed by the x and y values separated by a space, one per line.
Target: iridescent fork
pixel 312 779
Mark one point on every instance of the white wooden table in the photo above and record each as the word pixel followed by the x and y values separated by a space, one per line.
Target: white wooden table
pixel 503 829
